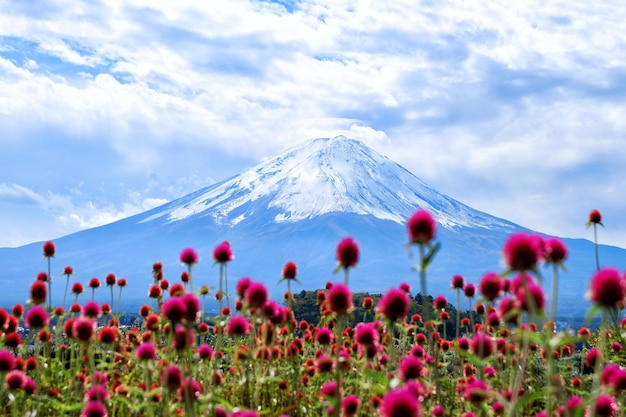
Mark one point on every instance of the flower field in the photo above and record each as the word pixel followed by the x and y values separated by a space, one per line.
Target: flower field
pixel 257 358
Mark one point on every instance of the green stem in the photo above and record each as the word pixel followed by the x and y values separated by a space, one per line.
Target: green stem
pixel 67 283
pixel 425 304
pixel 458 313
pixel 49 287
pixel 595 244
pixel 555 286
pixel 190 279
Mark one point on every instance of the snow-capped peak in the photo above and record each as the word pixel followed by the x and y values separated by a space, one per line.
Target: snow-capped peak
pixel 323 176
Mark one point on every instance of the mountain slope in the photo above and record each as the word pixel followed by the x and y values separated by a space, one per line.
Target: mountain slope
pixel 296 206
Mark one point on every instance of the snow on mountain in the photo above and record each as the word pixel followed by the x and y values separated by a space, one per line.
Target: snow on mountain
pixel 324 176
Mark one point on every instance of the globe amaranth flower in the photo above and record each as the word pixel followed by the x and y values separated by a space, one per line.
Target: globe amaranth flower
pixel 594 218
pixel 401 402
pixel 469 290
pixel 340 299
pixel 347 253
pixel 77 288
pixel 534 293
pixel 555 250
pixel 366 334
pixel 290 271
pixel 394 305
pixel 476 391
pixel 411 367
pixel 350 405
pixel 83 329
pixel 440 302
pixel 256 294
pixel 189 256
pixel 223 253
pixel 607 288
pixel 38 292
pixel 48 249
pixel 146 352
pixel 175 309
pixel 7 361
pixel 490 286
pixel 94 283
pixel 14 380
pixel 37 317
pixel 522 251
pixel 457 282
pixel 482 345
pixel 605 406
pixel 94 409
pixel 238 326
pixel 421 227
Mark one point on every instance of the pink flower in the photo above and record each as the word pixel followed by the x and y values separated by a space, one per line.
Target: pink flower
pixel 421 227
pixel 238 326
pixel 490 286
pixel 394 305
pixel 83 329
pixel 242 286
pixel 457 282
pixel 347 253
pixel 324 336
pixel 205 352
pixel 605 406
pixel 146 352
pixel 469 290
pixel 411 367
pixel 48 249
pixel 534 293
pixel 482 345
pixel 290 270
pixel 401 402
pixel 223 253
pixel 94 409
pixel 607 288
pixel 189 256
pixel 91 309
pixel 555 250
pixel 522 251
pixel 172 377
pixel 476 391
pixel 350 405
pixel 340 299
pixel 192 305
pixel 440 302
pixel 37 317
pixel 14 380
pixel 256 294
pixel 174 309
pixel 7 361
pixel 366 334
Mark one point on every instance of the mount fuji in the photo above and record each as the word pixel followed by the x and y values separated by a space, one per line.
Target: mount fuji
pixel 296 207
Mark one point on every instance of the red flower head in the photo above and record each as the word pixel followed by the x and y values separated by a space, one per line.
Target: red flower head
pixel 38 292
pixel 440 302
pixel 91 309
pixel 242 286
pixel 184 276
pixel 555 250
pixel 490 286
pixel 605 406
pixel 411 367
pixel 607 288
pixel 36 317
pixel 238 326
pixel 290 270
pixel 522 251
pixel 347 253
pixel 14 380
pixel 223 253
pixel 469 290
pixel 110 280
pixel 394 305
pixel 457 282
pixel 482 345
pixel 340 299
pixel 146 352
pixel 256 294
pixel 175 309
pixel 535 292
pixel 83 329
pixel 7 361
pixel 476 391
pixel 68 270
pixel 122 282
pixel 77 288
pixel 94 283
pixel 107 335
pixel 189 256
pixel 421 227
pixel 42 276
pixel 48 249
pixel 595 217
pixel 401 402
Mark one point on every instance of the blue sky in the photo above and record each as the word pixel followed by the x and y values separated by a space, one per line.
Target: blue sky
pixel 111 108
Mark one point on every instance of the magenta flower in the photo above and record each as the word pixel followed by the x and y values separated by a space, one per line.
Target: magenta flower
pixel 36 318
pixel 91 309
pixel 607 288
pixel 223 253
pixel 38 292
pixel 366 334
pixel 555 250
pixel 347 253
pixel 522 251
pixel 189 256
pixel 238 326
pixel 605 406
pixel 7 361
pixel 290 270
pixel 340 299
pixel 490 286
pixel 534 293
pixel 469 290
pixel 482 345
pixel 242 286
pixel 350 405
pixel 440 302
pixel 174 309
pixel 457 282
pixel 83 329
pixel 94 409
pixel 14 380
pixel 192 305
pixel 146 352
pixel 205 352
pixel 421 227
pixel 476 391
pixel 411 367
pixel 110 280
pixel 394 305
pixel 256 294
pixel 324 336
pixel 48 249
pixel 401 402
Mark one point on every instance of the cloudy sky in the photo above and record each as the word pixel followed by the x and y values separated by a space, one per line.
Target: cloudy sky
pixel 110 108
